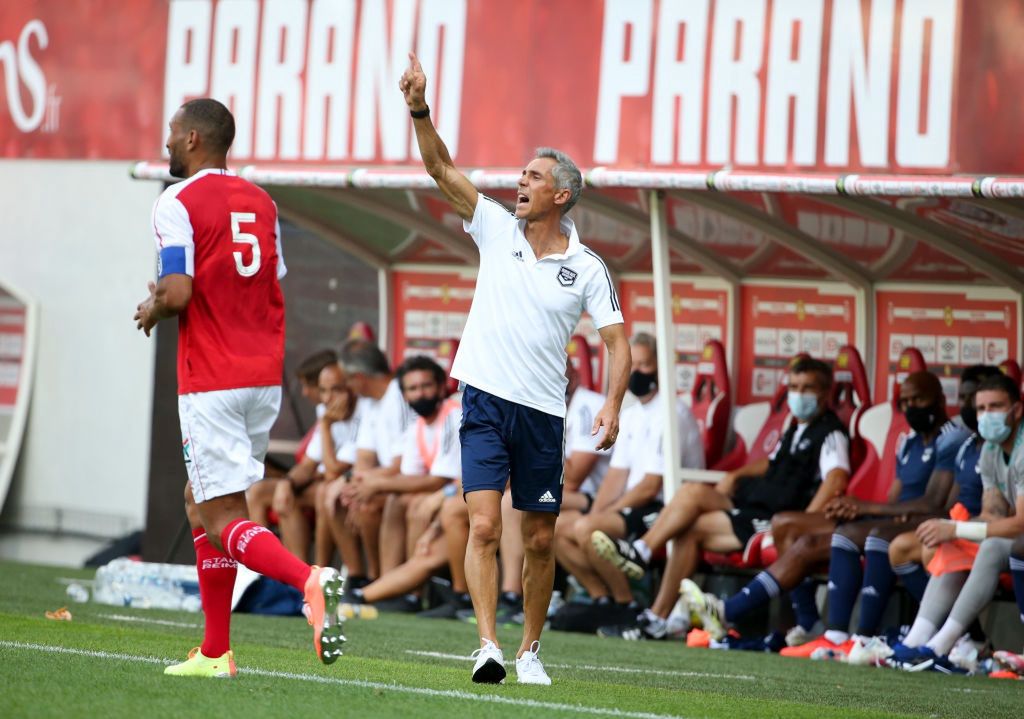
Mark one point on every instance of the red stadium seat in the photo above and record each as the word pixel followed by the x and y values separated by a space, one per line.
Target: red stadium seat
pixel 851 395
pixel 881 426
pixel 361 331
pixel 445 356
pixel 712 400
pixel 1011 369
pixel 582 359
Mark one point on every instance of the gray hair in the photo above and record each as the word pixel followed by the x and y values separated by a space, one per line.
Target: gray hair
pixel 645 339
pixel 364 357
pixel 567 176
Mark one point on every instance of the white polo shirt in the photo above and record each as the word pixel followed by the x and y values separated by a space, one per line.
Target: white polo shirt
pixel 343 434
pixel 384 424
pixel 525 310
pixel 579 421
pixel 639 450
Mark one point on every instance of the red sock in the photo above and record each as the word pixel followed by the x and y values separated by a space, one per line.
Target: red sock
pixel 258 549
pixel 216 583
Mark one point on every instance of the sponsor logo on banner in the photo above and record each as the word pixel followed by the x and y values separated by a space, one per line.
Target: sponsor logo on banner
pixel 728 83
pixel 21 69
pixel 318 80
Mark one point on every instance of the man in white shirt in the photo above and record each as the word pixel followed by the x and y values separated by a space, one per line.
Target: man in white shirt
pixel 535 281
pixel 378 449
pixel 629 498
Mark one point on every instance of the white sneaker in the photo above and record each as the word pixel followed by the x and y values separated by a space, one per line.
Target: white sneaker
pixel 490 664
pixel 706 610
pixel 964 654
pixel 529 670
pixel 869 651
pixel 798 636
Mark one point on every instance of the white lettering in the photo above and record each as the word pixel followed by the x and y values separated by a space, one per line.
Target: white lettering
pixel 679 73
pixel 378 106
pixel 449 17
pixel 282 56
pixel 329 79
pixel 621 77
pixel 867 74
pixel 795 78
pixel 927 147
pixel 25 67
pixel 188 54
pixel 234 66
pixel 734 68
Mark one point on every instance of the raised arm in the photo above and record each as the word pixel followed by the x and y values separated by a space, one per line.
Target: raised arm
pixel 455 186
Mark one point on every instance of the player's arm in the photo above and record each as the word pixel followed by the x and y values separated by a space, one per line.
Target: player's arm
pixel 455 186
pixel 645 492
pixel 833 486
pixel 617 344
pixel 994 521
pixel 167 298
pixel 610 489
pixel 727 484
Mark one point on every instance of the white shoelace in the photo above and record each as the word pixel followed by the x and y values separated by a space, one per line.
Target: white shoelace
pixel 530 662
pixel 488 647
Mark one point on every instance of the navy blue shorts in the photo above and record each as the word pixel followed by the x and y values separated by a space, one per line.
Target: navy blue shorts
pixel 502 440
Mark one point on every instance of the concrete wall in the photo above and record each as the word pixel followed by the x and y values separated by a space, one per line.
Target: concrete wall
pixel 76 237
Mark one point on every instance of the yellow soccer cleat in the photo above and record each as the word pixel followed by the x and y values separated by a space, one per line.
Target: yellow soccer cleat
pixel 198 665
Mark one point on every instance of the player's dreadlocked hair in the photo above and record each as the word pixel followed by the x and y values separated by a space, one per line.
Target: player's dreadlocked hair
pixel 213 121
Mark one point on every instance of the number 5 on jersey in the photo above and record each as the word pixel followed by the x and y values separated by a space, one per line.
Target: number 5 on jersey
pixel 238 218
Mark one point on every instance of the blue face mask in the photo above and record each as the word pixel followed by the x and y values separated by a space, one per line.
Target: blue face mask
pixel 993 428
pixel 803 406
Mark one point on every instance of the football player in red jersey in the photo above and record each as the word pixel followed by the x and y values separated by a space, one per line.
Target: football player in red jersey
pixel 219 246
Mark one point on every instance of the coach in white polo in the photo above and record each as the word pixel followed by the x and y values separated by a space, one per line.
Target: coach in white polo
pixel 535 281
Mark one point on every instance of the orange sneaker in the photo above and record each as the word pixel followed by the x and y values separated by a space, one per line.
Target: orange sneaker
pixel 322 591
pixel 804 651
pixel 698 639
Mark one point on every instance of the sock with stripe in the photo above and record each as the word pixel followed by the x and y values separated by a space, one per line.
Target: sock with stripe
pixel 878 581
pixel 805 605
pixel 1017 571
pixel 258 549
pixel 914 578
pixel 844 579
pixel 757 593
pixel 216 583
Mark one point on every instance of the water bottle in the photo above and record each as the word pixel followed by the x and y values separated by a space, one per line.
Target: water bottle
pixel 77 593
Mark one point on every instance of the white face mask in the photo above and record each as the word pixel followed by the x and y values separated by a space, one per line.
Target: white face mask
pixel 993 428
pixel 803 406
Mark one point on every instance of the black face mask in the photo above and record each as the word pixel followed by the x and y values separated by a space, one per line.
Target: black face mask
pixel 642 384
pixel 969 415
pixel 921 419
pixel 425 406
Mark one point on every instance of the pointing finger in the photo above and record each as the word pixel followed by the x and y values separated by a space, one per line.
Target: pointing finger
pixel 415 62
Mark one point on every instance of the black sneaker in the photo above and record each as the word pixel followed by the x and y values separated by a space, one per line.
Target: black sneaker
pixel 448 610
pixel 405 604
pixel 620 553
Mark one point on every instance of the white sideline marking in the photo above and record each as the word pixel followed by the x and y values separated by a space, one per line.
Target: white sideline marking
pixel 361 683
pixel 147 620
pixel 601 668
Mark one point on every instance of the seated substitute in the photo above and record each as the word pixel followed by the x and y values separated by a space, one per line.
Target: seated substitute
pixel 629 497
pixel 809 466
pixel 961 594
pixel 378 454
pixel 331 452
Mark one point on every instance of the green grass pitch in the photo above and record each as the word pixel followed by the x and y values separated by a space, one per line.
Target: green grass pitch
pixel 108 663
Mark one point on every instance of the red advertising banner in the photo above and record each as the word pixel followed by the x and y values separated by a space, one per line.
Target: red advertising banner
pixel 780 321
pixel 699 314
pixel 951 329
pixel 827 85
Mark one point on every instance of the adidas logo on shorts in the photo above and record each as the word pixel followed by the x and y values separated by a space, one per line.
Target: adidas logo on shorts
pixel 546 497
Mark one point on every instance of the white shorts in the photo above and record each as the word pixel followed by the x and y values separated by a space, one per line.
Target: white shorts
pixel 224 438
